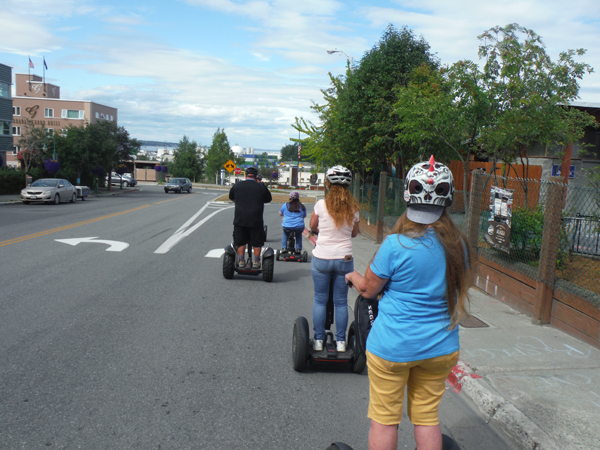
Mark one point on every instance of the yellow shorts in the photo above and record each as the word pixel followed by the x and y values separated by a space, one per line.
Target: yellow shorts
pixel 425 381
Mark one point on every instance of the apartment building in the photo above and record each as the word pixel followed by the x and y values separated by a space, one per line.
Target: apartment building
pixel 40 102
pixel 6 140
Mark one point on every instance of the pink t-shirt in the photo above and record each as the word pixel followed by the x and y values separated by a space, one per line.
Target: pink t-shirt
pixel 332 242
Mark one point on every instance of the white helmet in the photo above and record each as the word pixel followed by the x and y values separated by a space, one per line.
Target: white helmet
pixel 429 183
pixel 339 175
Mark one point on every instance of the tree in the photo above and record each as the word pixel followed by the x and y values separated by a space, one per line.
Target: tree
pixel 358 126
pixel 289 152
pixel 530 91
pixel 218 154
pixel 32 144
pixel 187 161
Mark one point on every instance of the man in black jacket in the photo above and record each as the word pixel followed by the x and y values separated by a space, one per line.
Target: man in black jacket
pixel 249 197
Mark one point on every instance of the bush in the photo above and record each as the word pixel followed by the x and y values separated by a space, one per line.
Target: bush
pixel 11 180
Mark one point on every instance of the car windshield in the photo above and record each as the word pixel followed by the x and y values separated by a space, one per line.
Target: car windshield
pixel 177 181
pixel 44 183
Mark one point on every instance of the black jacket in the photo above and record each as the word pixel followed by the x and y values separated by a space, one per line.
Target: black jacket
pixel 250 197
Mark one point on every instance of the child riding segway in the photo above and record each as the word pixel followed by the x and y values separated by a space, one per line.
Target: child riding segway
pixel 293 214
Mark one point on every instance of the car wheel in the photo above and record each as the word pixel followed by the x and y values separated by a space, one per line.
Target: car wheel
pixel 189 190
pixel 73 197
pixel 56 199
pixel 126 183
pixel 268 264
pixel 300 344
pixel 166 191
pixel 359 362
pixel 228 265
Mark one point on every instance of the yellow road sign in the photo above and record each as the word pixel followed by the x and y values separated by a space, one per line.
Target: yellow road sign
pixel 230 166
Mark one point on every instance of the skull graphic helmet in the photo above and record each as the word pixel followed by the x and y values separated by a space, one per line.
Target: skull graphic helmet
pixel 429 183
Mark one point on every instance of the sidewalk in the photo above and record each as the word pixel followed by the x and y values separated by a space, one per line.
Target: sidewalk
pixel 539 384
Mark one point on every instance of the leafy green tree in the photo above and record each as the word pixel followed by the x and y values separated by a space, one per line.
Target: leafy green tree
pixel 358 128
pixel 218 154
pixel 187 161
pixel 289 152
pixel 531 92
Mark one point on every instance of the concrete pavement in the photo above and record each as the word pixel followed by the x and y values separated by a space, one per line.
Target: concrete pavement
pixel 539 384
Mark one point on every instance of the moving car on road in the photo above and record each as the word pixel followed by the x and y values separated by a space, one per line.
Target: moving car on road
pixel 49 190
pixel 179 185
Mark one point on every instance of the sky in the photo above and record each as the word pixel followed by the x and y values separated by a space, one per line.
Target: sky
pixel 189 67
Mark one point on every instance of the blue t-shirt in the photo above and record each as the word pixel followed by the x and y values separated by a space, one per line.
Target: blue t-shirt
pixel 413 321
pixel 292 219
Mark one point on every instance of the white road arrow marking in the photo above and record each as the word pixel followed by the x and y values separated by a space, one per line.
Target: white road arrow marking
pixel 115 246
pixel 186 229
pixel 216 253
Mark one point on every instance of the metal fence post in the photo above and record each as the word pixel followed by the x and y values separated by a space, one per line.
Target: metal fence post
pixel 477 185
pixel 542 307
pixel 381 206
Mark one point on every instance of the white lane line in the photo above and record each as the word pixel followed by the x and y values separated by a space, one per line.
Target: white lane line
pixel 184 231
pixel 216 253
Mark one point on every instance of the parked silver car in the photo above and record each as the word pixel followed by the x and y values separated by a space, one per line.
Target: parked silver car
pixel 49 190
pixel 116 180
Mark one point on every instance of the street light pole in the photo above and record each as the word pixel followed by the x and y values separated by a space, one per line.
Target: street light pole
pixel 331 52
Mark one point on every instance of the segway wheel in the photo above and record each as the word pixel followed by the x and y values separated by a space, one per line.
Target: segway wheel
pixel 304 256
pixel 339 446
pixel 448 443
pixel 265 228
pixel 359 361
pixel 268 265
pixel 228 266
pixel 300 344
pixel 277 255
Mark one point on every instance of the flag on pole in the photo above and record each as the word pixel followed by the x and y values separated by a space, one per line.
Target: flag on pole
pixel 31 64
pixel 45 65
pixel 299 148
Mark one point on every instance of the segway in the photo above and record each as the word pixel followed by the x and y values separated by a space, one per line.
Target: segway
pixel 302 346
pixel 290 253
pixel 230 265
pixel 447 444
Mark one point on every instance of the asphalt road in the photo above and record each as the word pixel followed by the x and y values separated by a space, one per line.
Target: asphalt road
pixel 150 347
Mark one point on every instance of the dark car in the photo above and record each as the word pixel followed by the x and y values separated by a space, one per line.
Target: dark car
pixel 179 185
pixel 116 180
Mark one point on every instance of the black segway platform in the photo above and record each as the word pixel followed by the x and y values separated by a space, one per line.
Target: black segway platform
pixel 230 265
pixel 290 253
pixel 447 444
pixel 302 346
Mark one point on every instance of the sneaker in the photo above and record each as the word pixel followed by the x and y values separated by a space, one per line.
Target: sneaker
pixel 242 264
pixel 256 265
pixel 283 250
pixel 318 345
pixel 340 346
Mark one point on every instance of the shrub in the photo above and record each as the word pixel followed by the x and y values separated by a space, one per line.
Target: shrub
pixel 11 180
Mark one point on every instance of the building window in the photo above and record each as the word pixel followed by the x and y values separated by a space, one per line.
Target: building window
pixel 111 117
pixel 72 114
pixel 50 131
pixel 5 130
pixel 16 150
pixel 4 90
pixel 64 132
pixel 16 110
pixel 48 112
pixel 16 131
pixel 97 115
pixel 102 116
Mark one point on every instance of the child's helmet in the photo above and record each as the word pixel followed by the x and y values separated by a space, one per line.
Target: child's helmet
pixel 339 175
pixel 428 189
pixel 259 177
pixel 294 195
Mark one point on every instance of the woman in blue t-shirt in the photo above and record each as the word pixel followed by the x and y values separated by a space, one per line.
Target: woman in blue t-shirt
pixel 293 214
pixel 423 270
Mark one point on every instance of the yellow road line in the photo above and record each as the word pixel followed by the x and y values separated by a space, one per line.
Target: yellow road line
pixel 66 227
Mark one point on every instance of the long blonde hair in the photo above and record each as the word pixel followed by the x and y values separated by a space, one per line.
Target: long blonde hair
pixel 460 266
pixel 341 204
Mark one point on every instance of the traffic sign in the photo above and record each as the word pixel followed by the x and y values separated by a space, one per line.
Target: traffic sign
pixel 230 166
pixel 238 171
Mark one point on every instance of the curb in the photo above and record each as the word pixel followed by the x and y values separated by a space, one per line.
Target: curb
pixel 516 424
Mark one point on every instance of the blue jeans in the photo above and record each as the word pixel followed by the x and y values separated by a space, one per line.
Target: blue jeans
pixel 287 232
pixel 324 272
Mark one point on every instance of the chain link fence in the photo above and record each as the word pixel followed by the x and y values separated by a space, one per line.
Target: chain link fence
pixel 554 232
pixel 554 227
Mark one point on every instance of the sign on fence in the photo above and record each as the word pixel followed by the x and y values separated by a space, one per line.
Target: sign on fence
pixel 556 171
pixel 498 233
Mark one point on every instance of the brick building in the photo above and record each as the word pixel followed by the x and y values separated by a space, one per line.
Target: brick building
pixel 41 103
